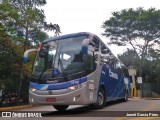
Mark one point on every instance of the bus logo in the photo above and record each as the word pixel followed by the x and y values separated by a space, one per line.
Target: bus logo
pixel 113 75
pixel 50 92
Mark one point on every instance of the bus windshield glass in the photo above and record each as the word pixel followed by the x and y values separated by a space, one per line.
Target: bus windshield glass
pixel 59 59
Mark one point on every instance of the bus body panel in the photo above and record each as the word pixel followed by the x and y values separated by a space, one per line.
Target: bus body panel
pixel 114 86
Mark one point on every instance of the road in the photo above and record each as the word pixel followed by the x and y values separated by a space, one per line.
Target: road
pixel 120 109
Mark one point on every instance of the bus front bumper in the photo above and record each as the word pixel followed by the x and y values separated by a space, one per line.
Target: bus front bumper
pixel 80 96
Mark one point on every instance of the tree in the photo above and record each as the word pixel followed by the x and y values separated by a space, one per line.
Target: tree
pixel 22 25
pixel 129 58
pixel 7 48
pixel 139 28
pixel 151 66
pixel 30 23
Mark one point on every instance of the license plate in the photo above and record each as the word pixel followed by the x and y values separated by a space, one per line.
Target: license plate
pixel 51 99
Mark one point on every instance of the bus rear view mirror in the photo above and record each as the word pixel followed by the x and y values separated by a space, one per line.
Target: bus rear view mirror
pixel 25 56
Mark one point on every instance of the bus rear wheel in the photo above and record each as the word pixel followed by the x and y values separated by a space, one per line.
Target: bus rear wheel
pixel 101 100
pixel 60 107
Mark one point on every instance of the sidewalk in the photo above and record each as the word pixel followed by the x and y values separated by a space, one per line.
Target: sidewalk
pixel 151 98
pixel 15 107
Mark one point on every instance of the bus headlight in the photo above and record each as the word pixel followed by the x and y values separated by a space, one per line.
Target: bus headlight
pixel 33 89
pixel 75 87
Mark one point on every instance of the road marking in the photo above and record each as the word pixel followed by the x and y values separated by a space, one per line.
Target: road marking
pixel 15 107
pixel 136 118
pixel 151 107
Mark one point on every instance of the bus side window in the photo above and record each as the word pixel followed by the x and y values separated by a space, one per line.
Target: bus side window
pixel 105 54
pixel 125 70
pixel 91 65
pixel 112 61
pixel 95 44
pixel 119 66
pixel 93 54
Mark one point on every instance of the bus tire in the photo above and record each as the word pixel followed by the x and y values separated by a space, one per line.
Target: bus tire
pixel 101 100
pixel 60 107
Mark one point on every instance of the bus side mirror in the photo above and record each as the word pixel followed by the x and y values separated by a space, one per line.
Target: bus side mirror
pixel 25 56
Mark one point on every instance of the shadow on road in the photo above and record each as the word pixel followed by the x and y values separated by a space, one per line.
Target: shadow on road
pixel 84 111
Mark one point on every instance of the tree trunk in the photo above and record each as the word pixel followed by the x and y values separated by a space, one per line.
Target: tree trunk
pixel 21 64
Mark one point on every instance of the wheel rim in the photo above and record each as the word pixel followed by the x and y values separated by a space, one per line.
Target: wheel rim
pixel 100 98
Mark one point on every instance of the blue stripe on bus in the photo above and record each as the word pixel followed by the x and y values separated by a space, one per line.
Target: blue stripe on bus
pixel 57 86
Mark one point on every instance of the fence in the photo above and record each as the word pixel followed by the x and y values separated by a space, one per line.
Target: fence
pixel 150 90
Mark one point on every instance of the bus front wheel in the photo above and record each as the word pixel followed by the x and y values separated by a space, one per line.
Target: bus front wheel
pixel 101 100
pixel 60 107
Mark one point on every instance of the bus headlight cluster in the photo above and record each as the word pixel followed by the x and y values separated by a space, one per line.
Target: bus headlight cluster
pixel 75 87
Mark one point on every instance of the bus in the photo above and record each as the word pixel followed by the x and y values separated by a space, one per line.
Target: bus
pixel 75 69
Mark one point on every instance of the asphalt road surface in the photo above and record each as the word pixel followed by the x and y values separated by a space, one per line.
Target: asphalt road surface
pixel 134 109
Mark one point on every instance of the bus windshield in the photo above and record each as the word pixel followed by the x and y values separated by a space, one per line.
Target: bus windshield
pixel 59 60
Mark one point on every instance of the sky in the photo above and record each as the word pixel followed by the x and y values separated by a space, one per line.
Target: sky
pixel 88 15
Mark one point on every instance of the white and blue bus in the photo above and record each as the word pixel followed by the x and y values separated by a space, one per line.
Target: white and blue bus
pixel 75 69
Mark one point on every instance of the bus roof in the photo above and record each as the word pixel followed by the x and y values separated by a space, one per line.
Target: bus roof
pixel 70 35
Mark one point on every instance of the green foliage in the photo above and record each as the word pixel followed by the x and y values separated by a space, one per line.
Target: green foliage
pixel 151 66
pixel 22 25
pixel 128 24
pixel 138 28
pixel 129 58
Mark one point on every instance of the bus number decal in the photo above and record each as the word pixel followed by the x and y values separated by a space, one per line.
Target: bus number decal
pixel 91 86
pixel 74 82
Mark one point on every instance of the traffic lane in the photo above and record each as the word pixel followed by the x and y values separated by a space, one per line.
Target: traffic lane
pixel 73 113
pixel 109 106
pixel 133 104
pixel 111 109
pixel 79 112
pixel 85 111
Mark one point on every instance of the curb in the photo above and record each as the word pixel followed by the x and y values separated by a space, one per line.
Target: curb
pixel 15 107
